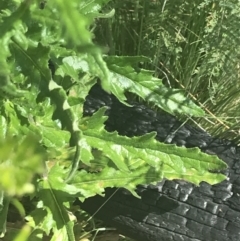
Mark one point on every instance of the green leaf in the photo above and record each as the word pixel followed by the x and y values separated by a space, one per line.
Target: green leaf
pixel 9 21
pixel 24 234
pixel 41 123
pixel 53 191
pixel 95 183
pixel 80 36
pixel 3 127
pixel 129 153
pixel 77 33
pixel 4 204
pixel 126 78
pixel 40 219
pixel 33 62
pixel 75 66
pixel 96 123
pixel 92 6
pixel 90 62
pixel 20 161
pixel 86 151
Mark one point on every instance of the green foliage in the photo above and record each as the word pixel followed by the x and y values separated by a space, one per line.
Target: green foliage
pixel 44 139
pixel 131 154
pixel 20 160
pixel 146 86
pixel 193 45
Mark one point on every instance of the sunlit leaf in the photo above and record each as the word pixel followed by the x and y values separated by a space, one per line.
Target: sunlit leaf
pixel 20 161
pixel 142 83
pixel 170 161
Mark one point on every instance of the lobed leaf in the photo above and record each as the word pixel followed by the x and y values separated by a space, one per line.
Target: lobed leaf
pixel 172 162
pixel 53 192
pixel 126 78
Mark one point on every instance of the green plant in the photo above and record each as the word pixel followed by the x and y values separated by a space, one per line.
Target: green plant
pixel 44 136
pixel 194 45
